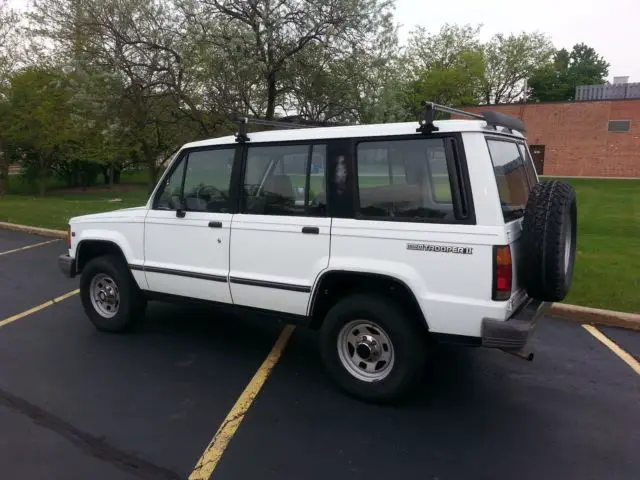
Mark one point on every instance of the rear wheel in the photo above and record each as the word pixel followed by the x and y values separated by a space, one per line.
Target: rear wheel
pixel 110 296
pixel 372 348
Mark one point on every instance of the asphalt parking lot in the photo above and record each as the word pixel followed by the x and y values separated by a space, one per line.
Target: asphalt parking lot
pixel 78 404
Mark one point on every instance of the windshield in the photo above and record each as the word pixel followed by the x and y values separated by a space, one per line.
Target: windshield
pixel 512 176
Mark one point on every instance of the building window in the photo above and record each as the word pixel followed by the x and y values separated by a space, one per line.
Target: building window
pixel 619 125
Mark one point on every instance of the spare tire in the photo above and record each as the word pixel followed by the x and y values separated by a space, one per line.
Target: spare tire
pixel 549 241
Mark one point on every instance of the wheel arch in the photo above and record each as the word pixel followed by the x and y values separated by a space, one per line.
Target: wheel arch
pixel 88 249
pixel 332 285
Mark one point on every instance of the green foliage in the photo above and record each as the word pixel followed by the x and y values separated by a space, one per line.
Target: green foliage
pixel 446 67
pixel 510 60
pixel 455 85
pixel 558 80
pixel 92 87
pixel 37 122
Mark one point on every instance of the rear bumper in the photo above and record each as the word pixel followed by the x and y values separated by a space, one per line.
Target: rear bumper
pixel 513 333
pixel 67 265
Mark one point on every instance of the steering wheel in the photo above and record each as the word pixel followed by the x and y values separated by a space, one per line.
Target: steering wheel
pixel 211 190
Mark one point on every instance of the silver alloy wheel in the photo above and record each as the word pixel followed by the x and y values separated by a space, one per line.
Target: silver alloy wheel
pixel 104 295
pixel 365 350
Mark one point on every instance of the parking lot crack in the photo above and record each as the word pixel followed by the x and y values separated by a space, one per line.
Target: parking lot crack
pixel 89 444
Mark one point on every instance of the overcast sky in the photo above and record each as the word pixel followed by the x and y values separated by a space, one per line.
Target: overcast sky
pixel 611 27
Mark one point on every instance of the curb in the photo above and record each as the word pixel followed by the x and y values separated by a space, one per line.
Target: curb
pixel 575 313
pixel 598 316
pixel 47 232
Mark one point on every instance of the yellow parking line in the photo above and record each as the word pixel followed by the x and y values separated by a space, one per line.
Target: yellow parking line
pixel 18 316
pixel 29 246
pixel 627 358
pixel 211 456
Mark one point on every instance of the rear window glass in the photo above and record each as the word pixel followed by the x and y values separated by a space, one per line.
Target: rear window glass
pixel 511 176
pixel 528 162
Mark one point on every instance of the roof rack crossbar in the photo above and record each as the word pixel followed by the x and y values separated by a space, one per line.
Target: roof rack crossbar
pixel 287 123
pixel 493 119
pixel 277 123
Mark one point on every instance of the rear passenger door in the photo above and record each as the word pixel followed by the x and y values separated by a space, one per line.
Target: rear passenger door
pixel 280 239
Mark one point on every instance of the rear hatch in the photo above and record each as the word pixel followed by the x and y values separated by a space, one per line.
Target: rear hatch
pixel 515 176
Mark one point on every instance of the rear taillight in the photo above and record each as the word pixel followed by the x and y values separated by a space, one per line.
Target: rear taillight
pixel 502 272
pixel 69 236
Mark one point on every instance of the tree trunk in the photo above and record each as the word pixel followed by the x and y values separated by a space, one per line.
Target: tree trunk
pixel 111 174
pixel 105 174
pixel 150 161
pixel 271 96
pixel 4 170
pixel 152 178
pixel 116 175
pixel 42 175
pixel 76 173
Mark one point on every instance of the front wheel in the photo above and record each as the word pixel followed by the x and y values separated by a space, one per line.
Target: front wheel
pixel 372 348
pixel 110 296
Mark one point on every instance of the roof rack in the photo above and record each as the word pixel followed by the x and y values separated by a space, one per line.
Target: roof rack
pixel 290 122
pixel 493 119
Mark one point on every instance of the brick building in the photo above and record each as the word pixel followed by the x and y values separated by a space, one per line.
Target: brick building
pixel 584 138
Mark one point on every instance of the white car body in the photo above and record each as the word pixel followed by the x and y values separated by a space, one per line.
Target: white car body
pixel 382 237
pixel 264 262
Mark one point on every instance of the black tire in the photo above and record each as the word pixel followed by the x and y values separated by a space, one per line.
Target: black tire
pixel 132 303
pixel 408 346
pixel 550 217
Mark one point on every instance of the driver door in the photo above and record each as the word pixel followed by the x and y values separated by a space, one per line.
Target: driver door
pixel 187 230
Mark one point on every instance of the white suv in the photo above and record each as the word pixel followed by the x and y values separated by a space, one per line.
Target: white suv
pixel 383 237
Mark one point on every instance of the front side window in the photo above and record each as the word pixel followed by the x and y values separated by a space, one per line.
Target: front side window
pixel 200 183
pixel 511 176
pixel 404 179
pixel 207 180
pixel 285 180
pixel 170 190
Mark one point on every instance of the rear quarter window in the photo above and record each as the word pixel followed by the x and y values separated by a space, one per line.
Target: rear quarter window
pixel 512 177
pixel 404 179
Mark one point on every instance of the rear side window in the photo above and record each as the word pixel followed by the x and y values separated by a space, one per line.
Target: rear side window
pixel 512 177
pixel 404 179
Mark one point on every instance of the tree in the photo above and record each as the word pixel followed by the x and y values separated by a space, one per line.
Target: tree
pixel 8 34
pixel 38 122
pixel 509 62
pixel 558 80
pixel 140 41
pixel 446 67
pixel 353 85
pixel 258 41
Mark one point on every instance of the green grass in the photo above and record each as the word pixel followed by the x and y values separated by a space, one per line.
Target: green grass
pixel 607 269
pixel 54 210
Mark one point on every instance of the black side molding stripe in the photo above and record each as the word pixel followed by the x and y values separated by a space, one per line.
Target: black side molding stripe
pixel 221 278
pixel 180 273
pixel 279 286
